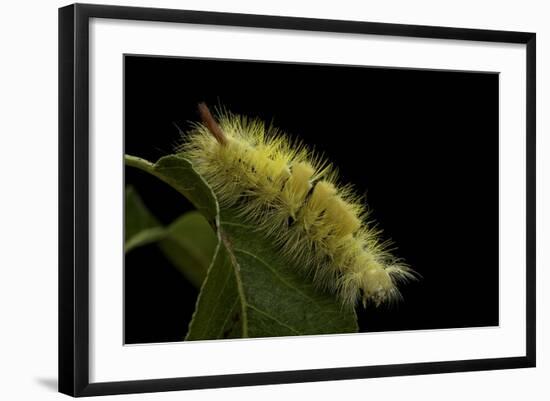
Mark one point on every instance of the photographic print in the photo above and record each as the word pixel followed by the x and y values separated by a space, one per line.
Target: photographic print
pixel 267 199
pixel 254 199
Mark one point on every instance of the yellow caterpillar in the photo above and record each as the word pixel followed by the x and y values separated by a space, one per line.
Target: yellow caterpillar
pixel 293 197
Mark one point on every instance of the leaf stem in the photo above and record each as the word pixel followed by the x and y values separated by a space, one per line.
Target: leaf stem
pixel 138 162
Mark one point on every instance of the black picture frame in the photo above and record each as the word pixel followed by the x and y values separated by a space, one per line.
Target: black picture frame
pixel 74 198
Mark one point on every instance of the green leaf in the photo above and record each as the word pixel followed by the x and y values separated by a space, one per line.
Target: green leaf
pixel 189 244
pixel 140 226
pixel 179 174
pixel 144 237
pixel 250 290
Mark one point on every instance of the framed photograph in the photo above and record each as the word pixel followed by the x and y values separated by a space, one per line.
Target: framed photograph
pixel 251 199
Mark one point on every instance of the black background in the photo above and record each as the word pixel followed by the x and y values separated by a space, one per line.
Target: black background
pixel 423 146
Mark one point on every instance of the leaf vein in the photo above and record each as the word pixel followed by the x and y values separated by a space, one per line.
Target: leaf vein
pixel 274 319
pixel 217 303
pixel 227 317
pixel 276 274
